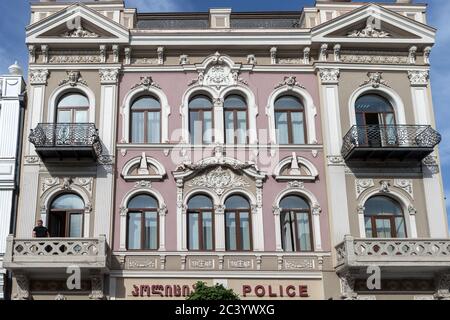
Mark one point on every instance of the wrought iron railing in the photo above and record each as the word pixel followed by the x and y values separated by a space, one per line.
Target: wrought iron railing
pixel 47 135
pixel 390 136
pixel 362 251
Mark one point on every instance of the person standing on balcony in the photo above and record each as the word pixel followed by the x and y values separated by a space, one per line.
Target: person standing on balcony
pixel 40 231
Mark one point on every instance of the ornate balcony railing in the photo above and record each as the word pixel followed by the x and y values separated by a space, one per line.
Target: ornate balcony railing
pixel 55 252
pixel 420 139
pixel 66 139
pixel 393 252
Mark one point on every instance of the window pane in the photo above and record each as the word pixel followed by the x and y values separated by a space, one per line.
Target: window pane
pixel 235 102
pixel 241 127
pixel 288 103
pixel 137 127
pixel 245 230
pixel 134 230
pixel 200 102
pixel 373 103
pixel 368 225
pixel 194 231
pixel 229 127
pixel 64 116
pixel 383 227
pixel 380 205
pixel 153 127
pixel 294 202
pixel 287 231
pixel 281 127
pixel 230 231
pixel 207 231
pixel 143 201
pixel 236 202
pixel 304 233
pixel 146 103
pixel 73 100
pixel 81 116
pixel 76 225
pixel 151 230
pixel 207 129
pixel 68 202
pixel 298 132
pixel 200 202
pixel 400 227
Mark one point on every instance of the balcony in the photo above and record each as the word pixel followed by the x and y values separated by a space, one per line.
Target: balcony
pixel 58 141
pixel 393 256
pixel 389 143
pixel 55 253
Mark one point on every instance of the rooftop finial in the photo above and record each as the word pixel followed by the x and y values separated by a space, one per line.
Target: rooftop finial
pixel 15 69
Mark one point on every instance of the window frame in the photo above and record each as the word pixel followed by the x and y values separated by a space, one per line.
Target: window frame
pixel 289 120
pixel 68 214
pixel 237 213
pixel 202 118
pixel 235 110
pixel 297 241
pixel 200 213
pixel 145 112
pixel 72 109
pixel 391 217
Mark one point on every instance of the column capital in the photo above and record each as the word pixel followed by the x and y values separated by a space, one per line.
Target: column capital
pixel 109 76
pixel 329 76
pixel 39 77
pixel 419 78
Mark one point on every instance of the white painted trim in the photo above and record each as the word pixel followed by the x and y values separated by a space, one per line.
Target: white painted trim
pixel 161 171
pixel 125 111
pixel 214 274
pixel 302 161
pixel 60 91
pixel 310 111
pixel 388 93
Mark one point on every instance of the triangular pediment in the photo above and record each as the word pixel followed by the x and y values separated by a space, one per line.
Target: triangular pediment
pixel 77 24
pixel 374 24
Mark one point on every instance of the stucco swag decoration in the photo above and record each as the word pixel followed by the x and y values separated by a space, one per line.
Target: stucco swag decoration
pixel 370 31
pixel 80 32
pixel 219 180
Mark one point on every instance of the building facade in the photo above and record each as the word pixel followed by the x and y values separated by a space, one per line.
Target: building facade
pixel 280 154
pixel 12 109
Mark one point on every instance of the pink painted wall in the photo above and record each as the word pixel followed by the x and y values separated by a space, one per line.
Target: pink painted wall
pixel 262 84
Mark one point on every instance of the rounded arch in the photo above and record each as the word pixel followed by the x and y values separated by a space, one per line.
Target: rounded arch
pixel 385 92
pixel 310 111
pixel 301 161
pixel 160 170
pixel 51 194
pixel 60 91
pixel 126 110
pixel 205 192
pixel 184 108
pixel 306 194
pixel 131 194
pixel 251 105
pixel 251 198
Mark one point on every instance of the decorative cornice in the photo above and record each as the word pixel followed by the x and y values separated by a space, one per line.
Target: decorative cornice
pixel 109 76
pixel 39 77
pixel 329 76
pixel 418 78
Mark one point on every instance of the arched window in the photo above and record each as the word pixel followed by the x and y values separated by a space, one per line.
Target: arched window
pixel 201 120
pixel 235 120
pixel 73 107
pixel 146 120
pixel 290 120
pixel 383 218
pixel 200 223
pixel 238 231
pixel 66 216
pixel 373 109
pixel 296 227
pixel 143 223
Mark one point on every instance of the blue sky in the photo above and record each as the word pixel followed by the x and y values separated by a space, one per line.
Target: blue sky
pixel 16 16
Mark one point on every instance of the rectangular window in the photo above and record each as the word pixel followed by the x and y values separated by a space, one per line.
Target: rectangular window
pixel 241 127
pixel 288 230
pixel 230 232
pixel 194 231
pixel 81 116
pixel 64 116
pixel 282 127
pixel 207 127
pixel 229 127
pixel 298 132
pixel 137 131
pixel 153 127
pixel 207 224
pixel 151 231
pixel 304 235
pixel 76 225
pixel 244 221
pixel 134 231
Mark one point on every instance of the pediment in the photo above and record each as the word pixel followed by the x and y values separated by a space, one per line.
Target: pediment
pixel 374 24
pixel 77 24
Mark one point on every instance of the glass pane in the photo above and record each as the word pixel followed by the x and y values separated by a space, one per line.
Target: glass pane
pixel 304 233
pixel 230 231
pixel 229 127
pixel 200 202
pixel 281 126
pixel 64 116
pixel 245 230
pixel 373 103
pixel 237 202
pixel 234 102
pixel 287 231
pixel 73 100
pixel 298 132
pixel 400 227
pixel 143 201
pixel 81 116
pixel 288 103
pixel 151 230
pixel 134 230
pixel 200 102
pixel 294 202
pixel 76 225
pixel 383 227
pixel 146 103
pixel 368 225
pixel 207 231
pixel 380 205
pixel 194 231
pixel 207 129
pixel 153 127
pixel 137 127
pixel 68 202
pixel 195 127
pixel 241 127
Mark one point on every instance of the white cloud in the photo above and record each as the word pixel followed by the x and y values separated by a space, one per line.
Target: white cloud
pixel 159 5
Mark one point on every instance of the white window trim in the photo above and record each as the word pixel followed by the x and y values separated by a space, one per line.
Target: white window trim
pixel 125 112
pixel 126 175
pixel 302 161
